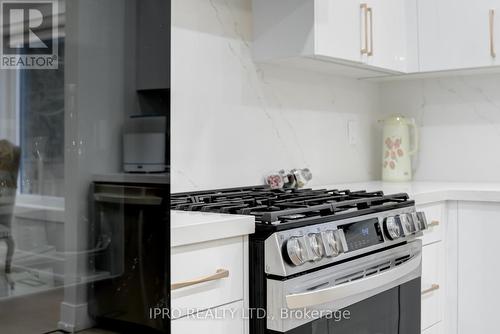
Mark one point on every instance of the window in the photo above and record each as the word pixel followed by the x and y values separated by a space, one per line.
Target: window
pixel 41 130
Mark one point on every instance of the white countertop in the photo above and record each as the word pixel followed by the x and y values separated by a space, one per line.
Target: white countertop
pixel 427 192
pixel 193 227
pixel 189 227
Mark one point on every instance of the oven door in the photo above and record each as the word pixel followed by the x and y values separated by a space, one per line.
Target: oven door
pixel 374 294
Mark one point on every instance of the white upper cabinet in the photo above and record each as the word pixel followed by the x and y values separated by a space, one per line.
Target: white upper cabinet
pixel 337 29
pixel 373 35
pixel 458 34
pixel 392 30
pixel 366 38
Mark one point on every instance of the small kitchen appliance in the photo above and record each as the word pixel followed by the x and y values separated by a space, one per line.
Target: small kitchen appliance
pixel 320 252
pixel 144 144
pixel 396 149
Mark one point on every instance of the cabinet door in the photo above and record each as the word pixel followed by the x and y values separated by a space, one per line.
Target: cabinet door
pixel 388 33
pixel 338 29
pixel 153 44
pixel 432 284
pixel 454 34
pixel 478 270
pixel 228 319
pixel 205 259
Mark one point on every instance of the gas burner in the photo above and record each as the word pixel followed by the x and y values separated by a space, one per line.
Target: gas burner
pixel 285 207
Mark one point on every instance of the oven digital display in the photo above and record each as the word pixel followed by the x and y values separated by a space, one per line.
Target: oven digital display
pixel 362 234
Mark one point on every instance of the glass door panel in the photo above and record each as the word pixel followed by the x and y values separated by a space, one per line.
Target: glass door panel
pixel 76 83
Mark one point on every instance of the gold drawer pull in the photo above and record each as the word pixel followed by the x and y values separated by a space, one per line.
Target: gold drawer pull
pixel 364 11
pixel 370 13
pixel 433 287
pixel 433 223
pixel 219 274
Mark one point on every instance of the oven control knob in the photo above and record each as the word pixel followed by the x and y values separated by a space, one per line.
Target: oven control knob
pixel 421 220
pixel 415 220
pixel 407 223
pixel 391 228
pixel 332 245
pixel 295 251
pixel 316 246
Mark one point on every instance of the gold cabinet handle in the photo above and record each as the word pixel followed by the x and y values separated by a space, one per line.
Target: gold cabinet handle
pixel 364 11
pixel 433 287
pixel 219 274
pixel 370 13
pixel 492 33
pixel 433 223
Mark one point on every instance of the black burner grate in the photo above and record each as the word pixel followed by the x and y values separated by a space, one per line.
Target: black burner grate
pixel 282 206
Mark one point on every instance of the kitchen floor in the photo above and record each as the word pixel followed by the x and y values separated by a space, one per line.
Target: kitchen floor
pixel 42 311
pixel 32 314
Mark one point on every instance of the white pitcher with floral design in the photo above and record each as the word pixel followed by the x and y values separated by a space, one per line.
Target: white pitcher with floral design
pixel 397 149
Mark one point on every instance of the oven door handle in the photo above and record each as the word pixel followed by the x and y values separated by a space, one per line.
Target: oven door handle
pixel 337 292
pixel 128 199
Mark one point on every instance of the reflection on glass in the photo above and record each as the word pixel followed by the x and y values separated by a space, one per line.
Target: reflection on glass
pixel 41 124
pixel 78 236
pixel 32 139
pixel 9 167
pixel 33 150
pixel 31 163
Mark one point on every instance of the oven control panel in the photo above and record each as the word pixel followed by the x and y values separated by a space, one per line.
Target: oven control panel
pixel 362 234
pixel 296 250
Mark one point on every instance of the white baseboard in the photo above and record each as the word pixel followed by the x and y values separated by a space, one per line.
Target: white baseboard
pixel 74 318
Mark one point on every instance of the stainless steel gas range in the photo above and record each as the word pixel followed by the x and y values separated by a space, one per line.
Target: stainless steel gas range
pixel 327 261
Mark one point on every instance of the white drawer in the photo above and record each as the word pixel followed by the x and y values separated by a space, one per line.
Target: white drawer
pixel 436 329
pixel 432 284
pixel 192 262
pixel 223 320
pixel 435 214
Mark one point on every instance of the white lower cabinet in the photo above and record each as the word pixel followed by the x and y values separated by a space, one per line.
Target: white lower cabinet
pixel 460 255
pixel 435 329
pixel 478 269
pixel 197 261
pixel 209 291
pixel 460 274
pixel 432 285
pixel 222 320
pixel 433 268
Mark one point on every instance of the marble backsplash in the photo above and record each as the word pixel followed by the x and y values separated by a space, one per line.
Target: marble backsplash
pixel 460 125
pixel 234 120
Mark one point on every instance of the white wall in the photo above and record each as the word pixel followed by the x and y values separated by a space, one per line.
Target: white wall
pixel 233 121
pixel 460 125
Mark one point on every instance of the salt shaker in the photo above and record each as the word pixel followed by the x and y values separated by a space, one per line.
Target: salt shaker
pixel 302 176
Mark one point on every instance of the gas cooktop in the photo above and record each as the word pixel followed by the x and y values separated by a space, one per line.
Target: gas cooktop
pixel 280 209
pixel 305 238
